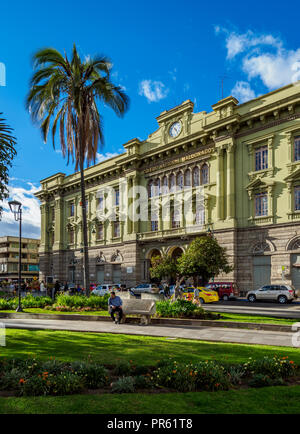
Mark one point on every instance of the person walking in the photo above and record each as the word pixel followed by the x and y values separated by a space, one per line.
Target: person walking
pixel 42 287
pixel 167 291
pixel 115 306
pixel 66 287
pixel 56 289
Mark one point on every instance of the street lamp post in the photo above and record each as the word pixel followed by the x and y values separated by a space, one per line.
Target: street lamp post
pixel 16 209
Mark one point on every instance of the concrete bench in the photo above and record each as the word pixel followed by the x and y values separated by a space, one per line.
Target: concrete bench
pixel 144 308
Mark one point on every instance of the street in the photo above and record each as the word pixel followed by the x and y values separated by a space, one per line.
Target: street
pixel 243 306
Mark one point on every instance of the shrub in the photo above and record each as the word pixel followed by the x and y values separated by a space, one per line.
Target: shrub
pixel 262 380
pixel 94 376
pixel 189 377
pixel 50 384
pixel 181 309
pixel 123 385
pixel 10 380
pixel 29 301
pixel 142 382
pixel 274 367
pixel 122 368
pixel 81 301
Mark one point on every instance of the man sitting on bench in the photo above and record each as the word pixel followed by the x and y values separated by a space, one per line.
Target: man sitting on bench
pixel 115 305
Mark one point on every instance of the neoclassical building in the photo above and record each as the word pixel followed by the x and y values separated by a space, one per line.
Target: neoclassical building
pixel 245 159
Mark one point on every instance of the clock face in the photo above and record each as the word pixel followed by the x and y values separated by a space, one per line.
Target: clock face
pixel 175 129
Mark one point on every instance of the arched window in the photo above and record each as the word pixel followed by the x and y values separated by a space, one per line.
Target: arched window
pixel 158 189
pixel 196 180
pixel 150 189
pixel 200 216
pixel 204 174
pixel 172 183
pixel 187 178
pixel 180 181
pixel 165 186
pixel 176 218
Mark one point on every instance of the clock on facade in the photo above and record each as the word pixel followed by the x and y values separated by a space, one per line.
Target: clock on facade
pixel 175 129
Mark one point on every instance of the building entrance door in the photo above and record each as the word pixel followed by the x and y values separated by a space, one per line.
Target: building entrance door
pixel 261 271
pixel 296 271
pixel 100 274
pixel 116 273
pixel 71 275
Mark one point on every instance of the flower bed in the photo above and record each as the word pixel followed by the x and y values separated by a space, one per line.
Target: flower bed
pixel 27 302
pixel 182 309
pixel 32 377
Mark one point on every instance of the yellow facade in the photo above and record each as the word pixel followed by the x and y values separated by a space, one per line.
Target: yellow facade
pixel 244 159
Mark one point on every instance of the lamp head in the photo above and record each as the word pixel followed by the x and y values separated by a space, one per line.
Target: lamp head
pixel 15 207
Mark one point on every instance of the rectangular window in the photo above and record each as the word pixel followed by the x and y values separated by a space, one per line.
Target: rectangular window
pixel 100 203
pixel 297 198
pixel 71 237
pixel 261 204
pixel 261 158
pixel 72 209
pixel 100 231
pixel 117 197
pixel 154 225
pixel 116 229
pixel 297 148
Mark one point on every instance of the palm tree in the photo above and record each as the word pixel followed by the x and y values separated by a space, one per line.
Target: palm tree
pixel 66 93
pixel 7 153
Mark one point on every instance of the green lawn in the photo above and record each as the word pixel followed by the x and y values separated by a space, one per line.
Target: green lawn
pixel 285 400
pixel 144 350
pixel 255 319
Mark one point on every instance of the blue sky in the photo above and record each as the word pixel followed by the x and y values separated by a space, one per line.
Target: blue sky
pixel 163 52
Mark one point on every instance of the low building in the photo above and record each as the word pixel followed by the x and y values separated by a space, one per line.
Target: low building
pixel 245 159
pixel 9 258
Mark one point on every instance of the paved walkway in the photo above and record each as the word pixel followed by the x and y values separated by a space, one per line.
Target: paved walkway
pixel 204 333
pixel 263 309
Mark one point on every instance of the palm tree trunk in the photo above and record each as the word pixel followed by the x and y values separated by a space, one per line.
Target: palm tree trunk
pixel 86 271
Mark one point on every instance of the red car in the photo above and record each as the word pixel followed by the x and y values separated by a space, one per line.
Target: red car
pixel 226 290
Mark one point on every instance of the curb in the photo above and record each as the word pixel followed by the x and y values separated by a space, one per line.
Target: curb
pixel 154 321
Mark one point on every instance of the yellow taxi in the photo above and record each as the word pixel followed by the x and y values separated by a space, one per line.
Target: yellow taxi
pixel 205 295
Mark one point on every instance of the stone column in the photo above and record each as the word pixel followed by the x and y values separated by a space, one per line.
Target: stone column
pixel 129 223
pixel 220 186
pixel 44 240
pixel 59 224
pixel 136 224
pixel 230 197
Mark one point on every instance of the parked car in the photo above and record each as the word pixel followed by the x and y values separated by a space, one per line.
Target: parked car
pixel 225 290
pixel 205 295
pixel 145 288
pixel 105 289
pixel 280 293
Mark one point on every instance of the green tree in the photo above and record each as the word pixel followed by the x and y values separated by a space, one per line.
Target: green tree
pixel 163 267
pixel 65 94
pixel 203 258
pixel 7 153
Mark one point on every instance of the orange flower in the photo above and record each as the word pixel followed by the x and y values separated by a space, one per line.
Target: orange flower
pixel 174 371
pixel 191 373
pixel 291 361
pixel 22 381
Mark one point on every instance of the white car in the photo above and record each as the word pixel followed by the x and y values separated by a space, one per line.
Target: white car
pixel 105 289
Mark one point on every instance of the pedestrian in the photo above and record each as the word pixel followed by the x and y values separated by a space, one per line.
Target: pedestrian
pixel 196 295
pixel 56 289
pixel 115 306
pixel 66 287
pixel 78 289
pixel 42 287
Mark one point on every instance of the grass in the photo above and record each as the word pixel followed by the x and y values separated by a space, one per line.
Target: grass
pixel 144 350
pixel 45 311
pixel 270 400
pixel 255 319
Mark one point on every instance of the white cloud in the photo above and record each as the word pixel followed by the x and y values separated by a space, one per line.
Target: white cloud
pixel 262 56
pixel 153 90
pixel 242 91
pixel 275 70
pixel 31 218
pixel 106 156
